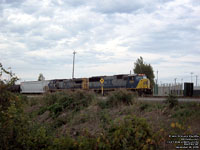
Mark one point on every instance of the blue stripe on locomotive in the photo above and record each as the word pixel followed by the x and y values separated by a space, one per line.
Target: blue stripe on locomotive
pixel 59 84
pixel 129 83
pixel 132 82
pixel 111 82
pixel 108 83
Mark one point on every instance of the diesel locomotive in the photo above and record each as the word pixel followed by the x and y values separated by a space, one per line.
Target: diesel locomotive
pixel 136 82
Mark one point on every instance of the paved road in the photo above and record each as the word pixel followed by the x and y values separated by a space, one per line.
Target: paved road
pixel 163 98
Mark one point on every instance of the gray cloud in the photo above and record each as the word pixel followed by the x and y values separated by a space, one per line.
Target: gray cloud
pixel 39 36
pixel 11 2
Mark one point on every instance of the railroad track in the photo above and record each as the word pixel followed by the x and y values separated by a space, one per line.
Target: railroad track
pixel 145 98
pixel 180 99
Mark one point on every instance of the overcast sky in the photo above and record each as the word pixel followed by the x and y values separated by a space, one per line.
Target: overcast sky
pixel 39 36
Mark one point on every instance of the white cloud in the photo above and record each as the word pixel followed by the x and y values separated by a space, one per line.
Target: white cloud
pixel 40 36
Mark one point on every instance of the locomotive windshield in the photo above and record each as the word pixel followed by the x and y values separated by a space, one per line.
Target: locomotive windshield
pixel 139 78
pixel 143 76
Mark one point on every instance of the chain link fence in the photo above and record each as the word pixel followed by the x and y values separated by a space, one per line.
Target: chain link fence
pixel 166 89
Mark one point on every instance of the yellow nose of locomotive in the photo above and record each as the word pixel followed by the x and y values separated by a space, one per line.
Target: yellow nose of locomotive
pixel 143 84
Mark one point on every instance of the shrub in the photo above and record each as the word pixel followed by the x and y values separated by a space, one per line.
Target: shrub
pixel 172 100
pixel 144 106
pixel 131 133
pixel 52 98
pixel 35 138
pixel 82 99
pixel 17 132
pixel 42 110
pixel 70 99
pixel 103 104
pixel 120 97
pixel 59 101
pixel 33 101
pixel 184 114
pixel 86 142
pixel 104 117
pixel 59 122
pixel 55 109
pixel 63 143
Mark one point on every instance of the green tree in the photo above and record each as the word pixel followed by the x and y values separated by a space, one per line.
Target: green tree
pixel 16 130
pixel 12 77
pixel 142 68
pixel 41 77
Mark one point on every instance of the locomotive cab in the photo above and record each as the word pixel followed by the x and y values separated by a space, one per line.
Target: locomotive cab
pixel 138 82
pixel 132 81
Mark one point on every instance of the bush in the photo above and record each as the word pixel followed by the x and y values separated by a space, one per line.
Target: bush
pixel 59 122
pixel 86 142
pixel 34 138
pixel 42 110
pixel 63 143
pixel 103 104
pixel 120 97
pixel 55 109
pixel 131 133
pixel 172 100
pixel 71 100
pixel 17 132
pixel 105 118
pixel 144 106
pixel 184 113
pixel 59 101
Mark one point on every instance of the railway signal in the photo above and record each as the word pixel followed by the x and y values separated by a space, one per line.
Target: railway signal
pixel 102 81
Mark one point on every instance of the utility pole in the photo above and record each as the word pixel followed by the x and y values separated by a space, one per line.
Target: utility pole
pixel 74 53
pixel 196 79
pixel 157 76
pixel 191 75
pixel 175 80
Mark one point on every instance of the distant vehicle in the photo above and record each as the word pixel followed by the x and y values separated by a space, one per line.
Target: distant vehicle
pixel 136 82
